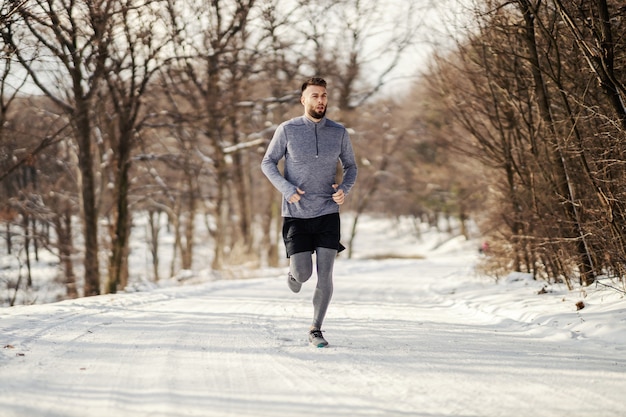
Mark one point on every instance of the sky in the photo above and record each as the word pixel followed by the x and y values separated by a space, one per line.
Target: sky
pixel 414 330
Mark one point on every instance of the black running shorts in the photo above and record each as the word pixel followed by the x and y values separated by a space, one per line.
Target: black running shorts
pixel 304 235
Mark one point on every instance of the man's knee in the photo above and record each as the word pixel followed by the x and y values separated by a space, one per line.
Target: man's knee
pixel 301 266
pixel 301 273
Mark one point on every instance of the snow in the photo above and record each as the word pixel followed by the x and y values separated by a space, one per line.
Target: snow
pixel 419 334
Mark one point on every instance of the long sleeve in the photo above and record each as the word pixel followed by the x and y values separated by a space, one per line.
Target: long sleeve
pixel 348 162
pixel 269 165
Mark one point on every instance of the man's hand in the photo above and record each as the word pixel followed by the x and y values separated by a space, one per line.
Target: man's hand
pixel 338 197
pixel 296 197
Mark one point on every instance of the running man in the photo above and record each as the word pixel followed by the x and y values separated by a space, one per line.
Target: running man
pixel 311 146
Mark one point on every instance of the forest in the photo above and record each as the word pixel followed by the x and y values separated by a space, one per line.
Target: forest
pixel 115 109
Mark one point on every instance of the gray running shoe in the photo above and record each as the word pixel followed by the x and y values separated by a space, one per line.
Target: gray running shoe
pixel 293 284
pixel 316 339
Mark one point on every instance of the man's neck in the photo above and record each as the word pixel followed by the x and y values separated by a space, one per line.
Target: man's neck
pixel 311 118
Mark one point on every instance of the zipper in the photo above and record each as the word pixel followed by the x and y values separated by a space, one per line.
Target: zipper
pixel 317 149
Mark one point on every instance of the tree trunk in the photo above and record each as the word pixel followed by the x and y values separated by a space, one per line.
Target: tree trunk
pixel 190 222
pixel 154 224
pixel 88 199
pixel 27 239
pixel 63 226
pixel 118 265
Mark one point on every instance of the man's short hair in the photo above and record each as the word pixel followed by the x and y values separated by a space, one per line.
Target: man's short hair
pixel 313 81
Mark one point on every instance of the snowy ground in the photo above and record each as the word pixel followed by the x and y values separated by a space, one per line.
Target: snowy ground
pixel 408 337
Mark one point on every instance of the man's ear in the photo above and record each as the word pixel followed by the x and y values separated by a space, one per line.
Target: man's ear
pixel 302 100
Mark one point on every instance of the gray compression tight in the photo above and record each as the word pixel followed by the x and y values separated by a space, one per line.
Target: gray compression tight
pixel 301 267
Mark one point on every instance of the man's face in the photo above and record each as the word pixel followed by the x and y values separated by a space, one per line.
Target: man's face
pixel 314 99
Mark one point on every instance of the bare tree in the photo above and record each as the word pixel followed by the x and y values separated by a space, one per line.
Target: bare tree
pixel 74 37
pixel 131 61
pixel 212 79
pixel 358 44
pixel 517 88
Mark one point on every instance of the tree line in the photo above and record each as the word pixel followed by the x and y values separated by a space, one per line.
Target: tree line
pixel 536 94
pixel 165 107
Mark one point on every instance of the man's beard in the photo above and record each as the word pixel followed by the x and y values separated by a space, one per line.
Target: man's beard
pixel 317 115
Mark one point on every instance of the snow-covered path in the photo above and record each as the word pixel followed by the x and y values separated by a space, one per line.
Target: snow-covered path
pixel 408 338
